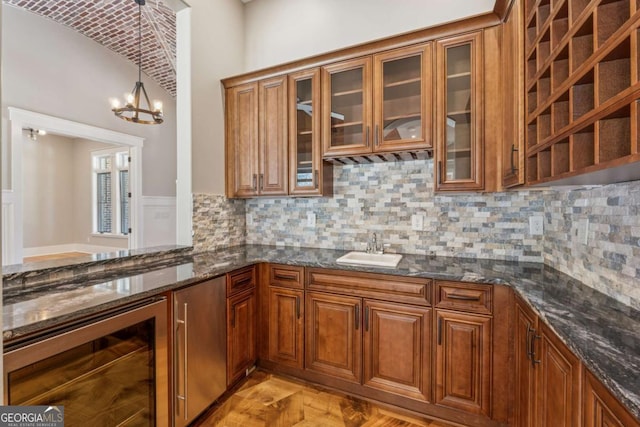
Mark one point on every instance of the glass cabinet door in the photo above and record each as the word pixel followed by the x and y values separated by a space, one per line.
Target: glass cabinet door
pixel 346 104
pixel 459 129
pixel 402 99
pixel 305 156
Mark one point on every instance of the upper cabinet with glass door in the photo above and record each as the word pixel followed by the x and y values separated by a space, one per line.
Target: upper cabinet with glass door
pixel 459 124
pixel 402 99
pixel 308 174
pixel 346 107
pixel 386 110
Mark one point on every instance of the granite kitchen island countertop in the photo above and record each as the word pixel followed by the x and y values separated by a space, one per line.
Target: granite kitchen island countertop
pixel 603 332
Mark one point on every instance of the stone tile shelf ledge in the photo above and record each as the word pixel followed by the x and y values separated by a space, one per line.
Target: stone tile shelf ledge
pixel 603 332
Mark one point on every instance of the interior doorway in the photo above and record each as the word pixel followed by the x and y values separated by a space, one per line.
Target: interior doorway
pixel 13 200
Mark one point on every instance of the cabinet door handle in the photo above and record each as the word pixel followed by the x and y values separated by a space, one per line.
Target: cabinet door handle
pixel 357 316
pixel 233 317
pixel 261 182
pixel 375 137
pixel 534 337
pixel 439 172
pixel 255 182
pixel 463 297
pixel 439 330
pixel 297 307
pixel 366 138
pixel 528 342
pixel 366 318
pixel 513 163
pixel 315 178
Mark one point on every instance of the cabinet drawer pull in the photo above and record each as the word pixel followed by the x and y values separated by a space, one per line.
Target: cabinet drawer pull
pixel 297 307
pixel 285 276
pixel 357 316
pixel 366 319
pixel 242 282
pixel 464 297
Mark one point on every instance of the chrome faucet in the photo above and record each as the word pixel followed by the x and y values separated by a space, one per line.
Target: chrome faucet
pixel 373 247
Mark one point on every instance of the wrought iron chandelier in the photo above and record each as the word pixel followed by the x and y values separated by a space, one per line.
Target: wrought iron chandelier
pixel 135 110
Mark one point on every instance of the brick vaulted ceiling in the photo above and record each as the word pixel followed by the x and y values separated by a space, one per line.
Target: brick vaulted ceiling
pixel 114 24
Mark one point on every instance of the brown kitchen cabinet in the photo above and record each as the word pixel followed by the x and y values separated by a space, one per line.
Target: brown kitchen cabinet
pixel 346 107
pixel 378 104
pixel 459 157
pixel 547 374
pixel 513 149
pixel 397 349
pixel 463 361
pixel 257 142
pixel 558 380
pixel 334 336
pixel 600 408
pixel 464 346
pixel 241 323
pixel 282 315
pixel 309 175
pixel 525 359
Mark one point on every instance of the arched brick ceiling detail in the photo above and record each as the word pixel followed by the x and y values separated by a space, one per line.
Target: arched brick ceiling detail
pixel 114 24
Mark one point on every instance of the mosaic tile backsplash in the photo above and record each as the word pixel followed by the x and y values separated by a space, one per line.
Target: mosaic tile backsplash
pixel 610 259
pixel 381 198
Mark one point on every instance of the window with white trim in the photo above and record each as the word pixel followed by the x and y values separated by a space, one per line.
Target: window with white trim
pixel 111 192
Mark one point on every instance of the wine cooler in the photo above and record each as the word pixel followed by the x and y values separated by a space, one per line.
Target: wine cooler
pixel 108 371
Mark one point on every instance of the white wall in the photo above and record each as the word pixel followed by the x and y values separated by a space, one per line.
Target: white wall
pixel 279 31
pixel 51 69
pixel 217 40
pixel 48 210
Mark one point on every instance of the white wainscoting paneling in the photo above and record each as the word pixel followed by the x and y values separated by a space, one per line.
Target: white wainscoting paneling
pixel 158 221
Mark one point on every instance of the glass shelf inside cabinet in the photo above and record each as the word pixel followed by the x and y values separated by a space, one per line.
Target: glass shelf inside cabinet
pixel 304 133
pixel 347 107
pixel 402 99
pixel 458 126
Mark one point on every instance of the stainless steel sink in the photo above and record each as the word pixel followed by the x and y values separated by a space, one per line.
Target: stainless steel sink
pixel 375 260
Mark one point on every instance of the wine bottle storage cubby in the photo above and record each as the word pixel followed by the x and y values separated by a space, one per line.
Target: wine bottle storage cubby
pixel 582 86
pixel 582 44
pixel 577 7
pixel 611 130
pixel 610 17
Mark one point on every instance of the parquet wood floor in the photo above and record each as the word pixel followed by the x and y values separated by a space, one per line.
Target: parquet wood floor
pixel 269 400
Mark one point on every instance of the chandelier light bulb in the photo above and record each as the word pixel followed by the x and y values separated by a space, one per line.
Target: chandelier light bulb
pixel 130 99
pixel 115 103
pixel 157 106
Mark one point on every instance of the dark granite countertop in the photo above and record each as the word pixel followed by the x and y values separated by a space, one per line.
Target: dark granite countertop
pixel 604 333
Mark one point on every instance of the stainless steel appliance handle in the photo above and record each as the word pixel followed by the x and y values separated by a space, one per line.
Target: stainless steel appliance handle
pixel 186 358
pixel 182 397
